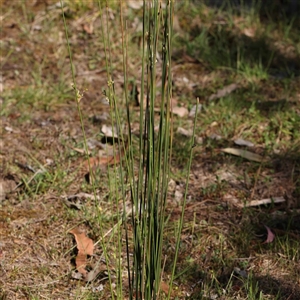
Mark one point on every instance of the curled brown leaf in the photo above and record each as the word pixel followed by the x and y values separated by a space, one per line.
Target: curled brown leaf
pixel 85 247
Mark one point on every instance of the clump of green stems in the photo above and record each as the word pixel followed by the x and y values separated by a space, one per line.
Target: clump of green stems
pixel 144 226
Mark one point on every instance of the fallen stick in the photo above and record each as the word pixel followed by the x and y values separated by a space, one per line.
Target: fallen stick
pixel 264 201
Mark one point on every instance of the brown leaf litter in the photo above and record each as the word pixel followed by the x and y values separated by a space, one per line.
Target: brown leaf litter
pixel 85 247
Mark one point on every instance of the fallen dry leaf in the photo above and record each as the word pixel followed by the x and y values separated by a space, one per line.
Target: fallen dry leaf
pixel 82 195
pixel 265 201
pixel 91 275
pixel 75 201
pixel 164 287
pixel 109 131
pixel 81 151
pixel 242 273
pixel 189 133
pixel 270 236
pixel 237 202
pixel 96 162
pixel 250 32
pixel 223 92
pixel 85 247
pixel 136 4
pixel 88 28
pixel 193 110
pixel 243 153
pixel 89 166
pixel 180 111
pixel 242 142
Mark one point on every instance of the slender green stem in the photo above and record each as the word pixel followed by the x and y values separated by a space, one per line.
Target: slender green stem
pixel 184 202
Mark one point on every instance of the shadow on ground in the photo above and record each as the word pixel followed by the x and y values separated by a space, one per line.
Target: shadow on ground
pixel 237 50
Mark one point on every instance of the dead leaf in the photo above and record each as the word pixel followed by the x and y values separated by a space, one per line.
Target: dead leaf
pixel 270 236
pixel 193 110
pixel 88 28
pixel 189 133
pixel 75 201
pixel 96 162
pixel 95 272
pixel 83 195
pixel 265 201
pixel 223 92
pixel 108 131
pixel 215 137
pixel 98 288
pixel 164 287
pixel 76 275
pixel 242 142
pixel 178 196
pixel 242 273
pixel 85 247
pixel 250 32
pixel 73 204
pixel 99 163
pixel 184 132
pixel 136 4
pixel 243 153
pixel 237 202
pixel 180 111
pixel 81 151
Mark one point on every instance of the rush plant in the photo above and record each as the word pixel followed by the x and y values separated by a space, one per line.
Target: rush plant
pixel 143 227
